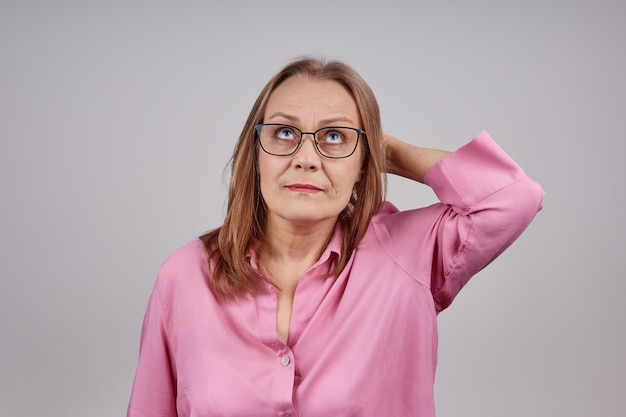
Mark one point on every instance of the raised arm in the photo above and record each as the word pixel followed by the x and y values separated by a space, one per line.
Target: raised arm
pixel 410 161
pixel 486 201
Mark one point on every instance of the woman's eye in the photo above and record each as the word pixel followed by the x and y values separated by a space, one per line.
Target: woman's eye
pixel 333 138
pixel 285 134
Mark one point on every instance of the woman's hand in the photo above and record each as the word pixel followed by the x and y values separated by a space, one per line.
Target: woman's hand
pixel 410 161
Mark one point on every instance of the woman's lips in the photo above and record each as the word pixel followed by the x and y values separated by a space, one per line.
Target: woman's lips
pixel 304 188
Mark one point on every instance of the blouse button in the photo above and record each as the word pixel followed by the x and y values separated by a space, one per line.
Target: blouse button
pixel 285 360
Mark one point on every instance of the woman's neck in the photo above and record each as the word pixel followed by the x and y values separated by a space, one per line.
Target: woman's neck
pixel 291 249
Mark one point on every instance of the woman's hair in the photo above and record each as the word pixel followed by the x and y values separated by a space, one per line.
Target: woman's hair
pixel 231 275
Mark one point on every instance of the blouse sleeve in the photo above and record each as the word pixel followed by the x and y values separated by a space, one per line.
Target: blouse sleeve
pixel 486 203
pixel 491 201
pixel 154 392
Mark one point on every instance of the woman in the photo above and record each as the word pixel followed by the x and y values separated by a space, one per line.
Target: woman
pixel 316 297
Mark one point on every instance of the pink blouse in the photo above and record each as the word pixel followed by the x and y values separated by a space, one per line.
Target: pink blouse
pixel 363 343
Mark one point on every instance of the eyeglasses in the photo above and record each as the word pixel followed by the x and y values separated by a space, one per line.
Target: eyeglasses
pixel 332 142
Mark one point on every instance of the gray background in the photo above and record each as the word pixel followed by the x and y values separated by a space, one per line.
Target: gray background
pixel 117 119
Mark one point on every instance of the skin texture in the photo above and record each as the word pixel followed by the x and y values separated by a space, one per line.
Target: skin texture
pixel 410 161
pixel 306 187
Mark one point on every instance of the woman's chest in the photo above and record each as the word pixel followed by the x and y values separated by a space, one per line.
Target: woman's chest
pixel 350 341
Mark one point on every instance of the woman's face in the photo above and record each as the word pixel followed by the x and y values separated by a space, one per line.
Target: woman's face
pixel 307 187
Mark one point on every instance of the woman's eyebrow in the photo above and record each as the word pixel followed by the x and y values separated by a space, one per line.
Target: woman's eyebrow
pixel 284 116
pixel 336 119
pixel 324 122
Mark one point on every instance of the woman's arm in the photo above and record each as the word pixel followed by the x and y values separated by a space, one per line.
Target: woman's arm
pixel 410 161
pixel 154 387
pixel 486 201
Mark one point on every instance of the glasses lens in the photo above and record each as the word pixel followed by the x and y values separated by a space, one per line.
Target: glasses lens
pixel 337 142
pixel 279 139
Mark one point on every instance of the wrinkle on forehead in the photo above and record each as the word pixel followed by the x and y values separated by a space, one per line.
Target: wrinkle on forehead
pixel 312 103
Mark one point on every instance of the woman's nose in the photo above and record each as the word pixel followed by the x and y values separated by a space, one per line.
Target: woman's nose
pixel 307 156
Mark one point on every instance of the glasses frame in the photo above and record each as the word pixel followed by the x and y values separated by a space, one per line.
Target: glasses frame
pixel 259 126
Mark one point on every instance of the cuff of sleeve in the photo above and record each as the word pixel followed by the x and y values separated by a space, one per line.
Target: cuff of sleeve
pixel 473 172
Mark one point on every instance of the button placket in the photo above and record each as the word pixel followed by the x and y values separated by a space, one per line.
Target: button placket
pixel 283 384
